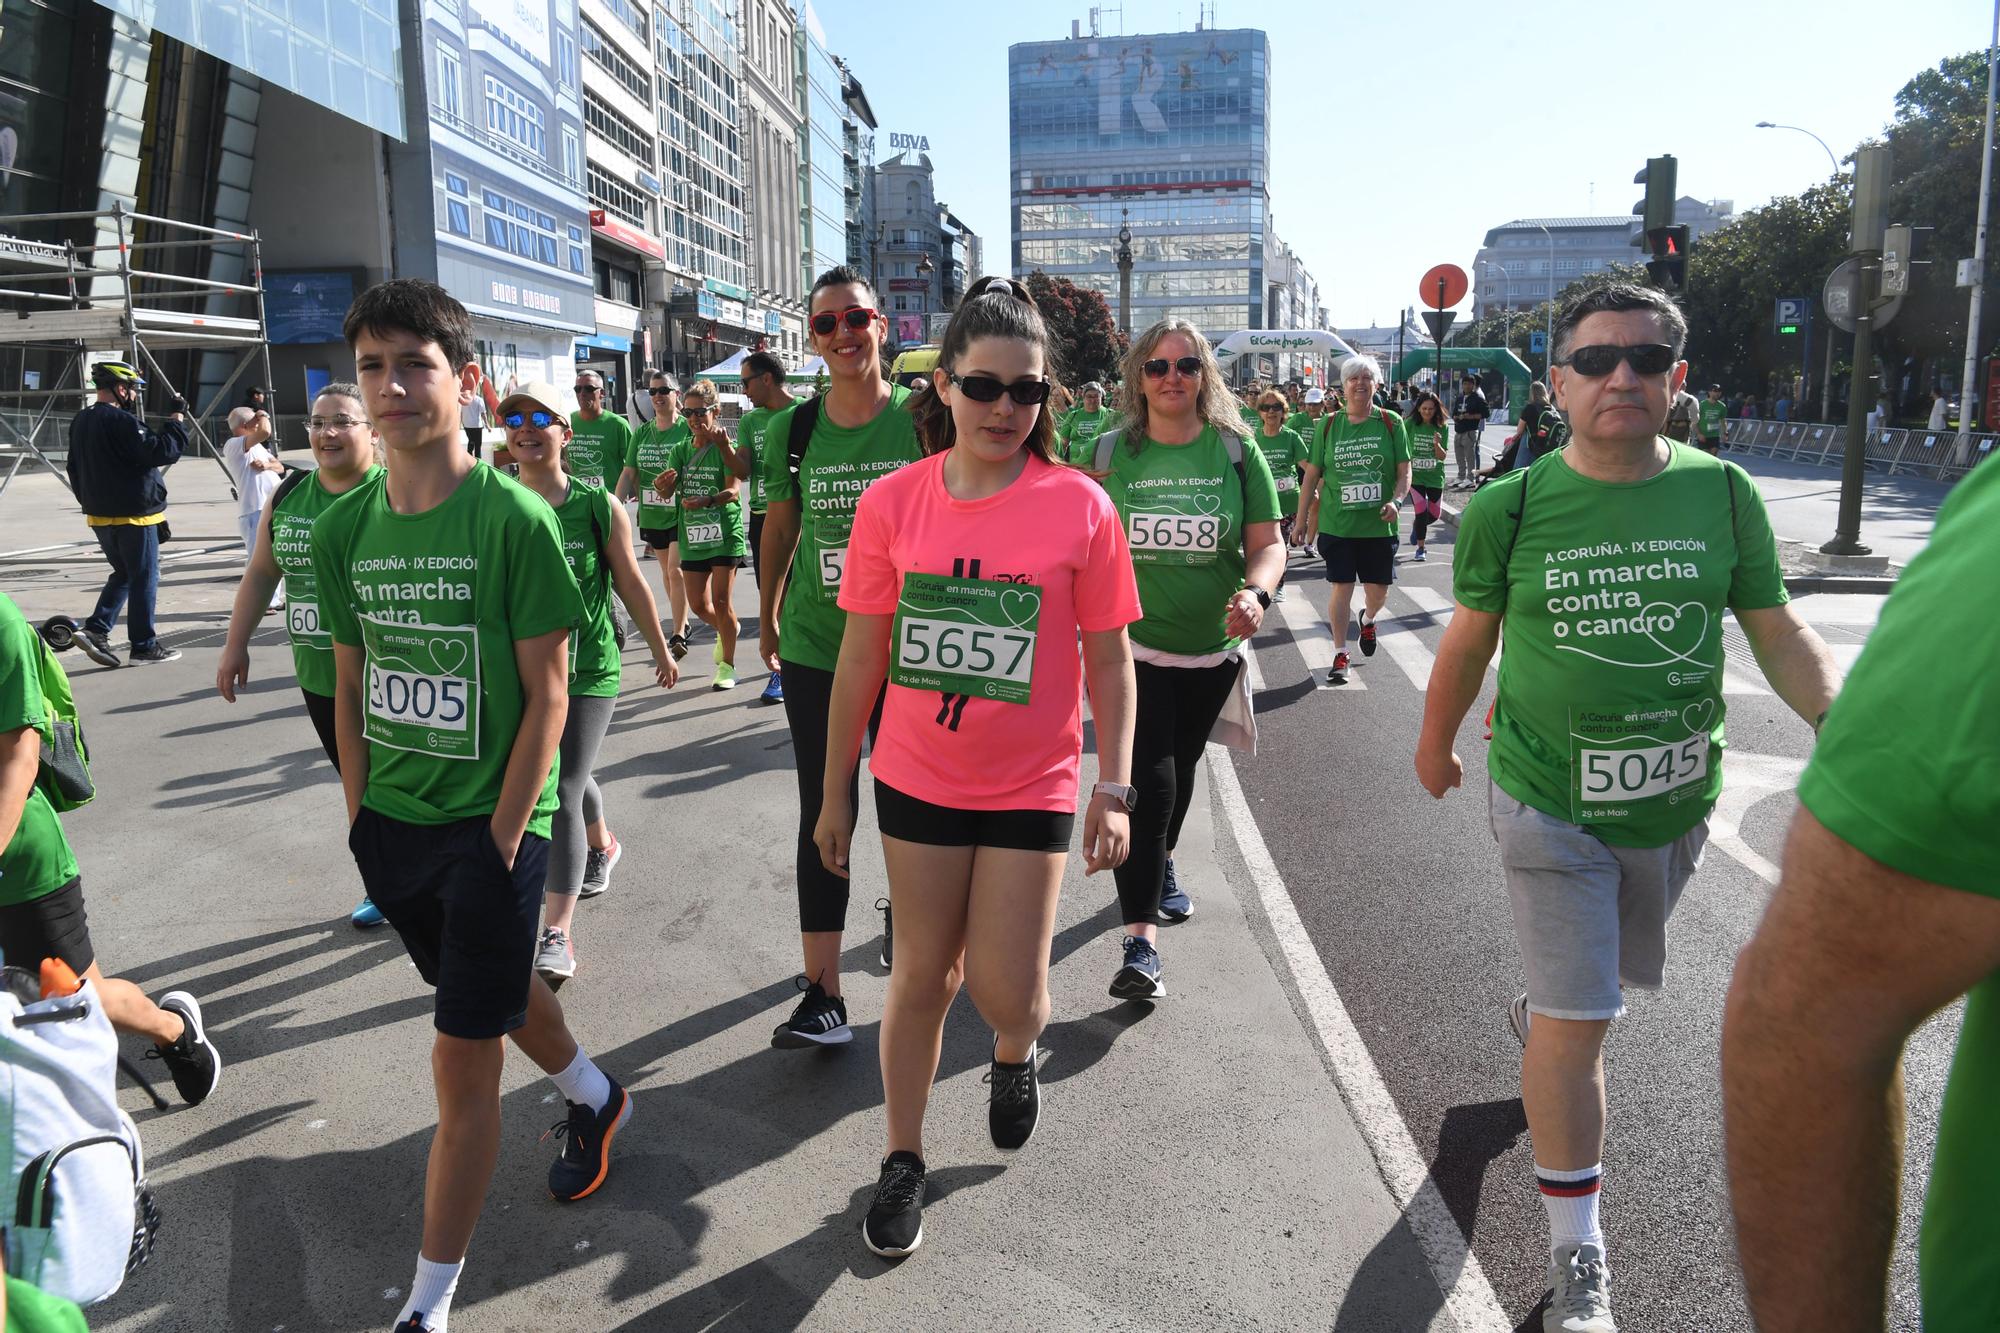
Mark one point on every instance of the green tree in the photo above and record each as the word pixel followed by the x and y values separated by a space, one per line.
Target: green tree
pixel 1088 345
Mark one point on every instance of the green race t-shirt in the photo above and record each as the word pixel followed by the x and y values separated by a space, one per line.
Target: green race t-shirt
pixel 707 532
pixel 1358 467
pixel 750 435
pixel 1302 423
pixel 37 860
pixel 598 449
pixel 436 602
pixel 1078 433
pixel 1283 453
pixel 1184 513
pixel 1610 707
pixel 1426 464
pixel 585 519
pixel 1904 772
pixel 291 545
pixel 839 463
pixel 1713 413
pixel 647 456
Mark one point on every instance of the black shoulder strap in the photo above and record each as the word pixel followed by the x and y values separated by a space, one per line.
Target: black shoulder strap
pixel 1232 444
pixel 805 417
pixel 1520 512
pixel 1730 477
pixel 294 478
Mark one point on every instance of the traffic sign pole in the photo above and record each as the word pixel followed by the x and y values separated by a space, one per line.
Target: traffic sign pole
pixel 1871 178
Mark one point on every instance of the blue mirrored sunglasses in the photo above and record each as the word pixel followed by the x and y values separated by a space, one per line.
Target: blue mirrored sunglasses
pixel 539 419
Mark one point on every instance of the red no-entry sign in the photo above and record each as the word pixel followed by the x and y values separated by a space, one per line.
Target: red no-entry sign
pixel 1456 284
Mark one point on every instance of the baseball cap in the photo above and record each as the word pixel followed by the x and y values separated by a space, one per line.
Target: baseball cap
pixel 541 393
pixel 1315 395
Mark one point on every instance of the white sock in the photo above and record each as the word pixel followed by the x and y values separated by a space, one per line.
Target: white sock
pixel 431 1292
pixel 1571 1200
pixel 584 1082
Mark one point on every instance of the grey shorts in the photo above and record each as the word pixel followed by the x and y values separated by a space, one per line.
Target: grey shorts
pixel 1590 918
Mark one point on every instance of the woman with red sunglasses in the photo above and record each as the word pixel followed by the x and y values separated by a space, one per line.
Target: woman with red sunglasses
pixel 850 435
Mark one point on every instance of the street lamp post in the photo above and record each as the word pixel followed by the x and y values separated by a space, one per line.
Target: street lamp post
pixel 1549 320
pixel 1962 452
pixel 1826 376
pixel 1125 273
pixel 925 268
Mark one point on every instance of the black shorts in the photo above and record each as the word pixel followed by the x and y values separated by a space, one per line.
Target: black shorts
pixel 1358 559
pixel 659 539
pixel 467 921
pixel 905 817
pixel 51 926
pixel 713 562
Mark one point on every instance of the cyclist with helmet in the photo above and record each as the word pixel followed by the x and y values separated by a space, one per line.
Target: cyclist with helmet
pixel 114 468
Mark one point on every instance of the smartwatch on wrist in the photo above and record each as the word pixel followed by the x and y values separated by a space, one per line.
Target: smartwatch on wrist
pixel 1127 797
pixel 1263 598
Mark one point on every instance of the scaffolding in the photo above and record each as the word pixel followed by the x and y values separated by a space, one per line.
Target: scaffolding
pixel 90 302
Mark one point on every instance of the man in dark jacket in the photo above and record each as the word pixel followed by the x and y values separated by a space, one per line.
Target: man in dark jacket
pixel 114 467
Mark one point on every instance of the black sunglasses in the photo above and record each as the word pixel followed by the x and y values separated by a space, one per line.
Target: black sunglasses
pixel 1157 368
pixel 539 419
pixel 1598 361
pixel 986 389
pixel 587 390
pixel 1272 407
pixel 855 317
pixel 660 393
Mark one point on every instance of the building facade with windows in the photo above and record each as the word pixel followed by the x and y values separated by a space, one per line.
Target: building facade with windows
pixel 924 256
pixel 772 128
pixel 822 159
pixel 1513 268
pixel 1166 133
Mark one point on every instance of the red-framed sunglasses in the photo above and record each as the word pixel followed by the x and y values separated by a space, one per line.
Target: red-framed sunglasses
pixel 855 317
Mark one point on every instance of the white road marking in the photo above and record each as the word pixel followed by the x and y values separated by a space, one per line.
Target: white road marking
pixel 1429 600
pixel 1747 779
pixel 1314 639
pixel 1468 1295
pixel 1256 670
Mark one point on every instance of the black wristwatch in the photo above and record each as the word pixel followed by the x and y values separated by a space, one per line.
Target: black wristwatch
pixel 1263 598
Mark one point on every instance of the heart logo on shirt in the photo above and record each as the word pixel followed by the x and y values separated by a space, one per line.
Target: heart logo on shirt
pixel 1019 607
pixel 1699 717
pixel 450 655
pixel 1679 630
pixel 1372 463
pixel 1208 504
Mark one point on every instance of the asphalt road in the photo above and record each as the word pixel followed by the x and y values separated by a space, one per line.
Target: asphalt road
pixel 1403 899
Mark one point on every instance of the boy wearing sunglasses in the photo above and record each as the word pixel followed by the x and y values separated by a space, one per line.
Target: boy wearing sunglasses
pixel 1610 562
pixel 450 604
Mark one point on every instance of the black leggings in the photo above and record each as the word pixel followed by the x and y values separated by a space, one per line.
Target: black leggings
pixel 808 701
pixel 1426 514
pixel 757 548
pixel 1177 708
pixel 319 707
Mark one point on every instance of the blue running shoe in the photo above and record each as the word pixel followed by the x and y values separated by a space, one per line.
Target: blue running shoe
pixel 1139 979
pixel 366 915
pixel 1175 905
pixel 774 689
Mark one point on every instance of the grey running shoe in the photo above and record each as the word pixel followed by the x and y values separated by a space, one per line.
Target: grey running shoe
pixel 597 868
pixel 1580 1295
pixel 97 647
pixel 554 958
pixel 1518 1018
pixel 159 652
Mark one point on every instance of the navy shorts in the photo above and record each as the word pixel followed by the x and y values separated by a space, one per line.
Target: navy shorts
pixel 1358 559
pixel 910 819
pixel 467 921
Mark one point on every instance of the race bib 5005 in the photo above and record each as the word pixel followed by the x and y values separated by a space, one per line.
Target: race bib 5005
pixel 422 687
pixel 966 636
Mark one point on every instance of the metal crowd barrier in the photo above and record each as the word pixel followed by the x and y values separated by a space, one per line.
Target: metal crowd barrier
pixel 1924 453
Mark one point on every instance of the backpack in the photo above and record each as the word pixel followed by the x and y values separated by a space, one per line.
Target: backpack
pixel 805 419
pixel 1521 506
pixel 78 1216
pixel 64 776
pixel 1232 444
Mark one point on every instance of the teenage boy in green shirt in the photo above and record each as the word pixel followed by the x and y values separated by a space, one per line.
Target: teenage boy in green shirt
pixel 450 603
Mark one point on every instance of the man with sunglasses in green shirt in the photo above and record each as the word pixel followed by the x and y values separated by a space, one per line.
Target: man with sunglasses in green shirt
pixel 1610 562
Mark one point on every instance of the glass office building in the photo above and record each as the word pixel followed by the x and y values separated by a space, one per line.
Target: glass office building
pixel 1165 133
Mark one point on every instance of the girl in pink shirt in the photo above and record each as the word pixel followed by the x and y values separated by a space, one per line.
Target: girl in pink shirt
pixel 971 577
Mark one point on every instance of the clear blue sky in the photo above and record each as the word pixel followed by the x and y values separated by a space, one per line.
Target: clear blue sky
pixel 1402 132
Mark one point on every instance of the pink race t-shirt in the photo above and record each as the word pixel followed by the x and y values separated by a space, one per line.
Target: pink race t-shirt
pixel 1054 528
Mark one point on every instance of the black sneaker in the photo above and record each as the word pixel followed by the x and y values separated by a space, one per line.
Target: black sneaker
pixel 159 652
pixel 1139 979
pixel 1337 673
pixel 97 647
pixel 894 1226
pixel 1175 905
pixel 586 1155
pixel 677 644
pixel 414 1324
pixel 888 933
pixel 190 1059
pixel 820 1020
pixel 1367 638
pixel 1016 1104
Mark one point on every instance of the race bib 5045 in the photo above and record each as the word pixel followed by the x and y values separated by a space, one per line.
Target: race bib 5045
pixel 1620 757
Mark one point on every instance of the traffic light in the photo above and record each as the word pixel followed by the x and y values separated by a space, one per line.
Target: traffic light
pixel 1668 247
pixel 1657 208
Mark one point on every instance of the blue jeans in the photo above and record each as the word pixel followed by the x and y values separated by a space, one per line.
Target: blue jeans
pixel 133 552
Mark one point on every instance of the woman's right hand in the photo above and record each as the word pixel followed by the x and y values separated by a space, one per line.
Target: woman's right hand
pixel 767 646
pixel 834 834
pixel 232 672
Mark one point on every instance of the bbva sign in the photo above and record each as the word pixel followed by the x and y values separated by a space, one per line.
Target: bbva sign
pixel 916 143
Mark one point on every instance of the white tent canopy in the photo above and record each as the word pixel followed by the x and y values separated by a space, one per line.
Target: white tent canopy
pixel 731 370
pixel 1282 342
